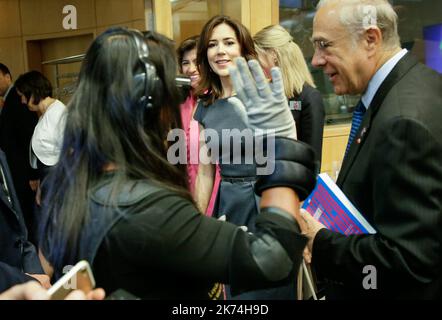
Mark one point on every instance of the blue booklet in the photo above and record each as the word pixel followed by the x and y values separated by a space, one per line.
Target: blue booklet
pixel 328 204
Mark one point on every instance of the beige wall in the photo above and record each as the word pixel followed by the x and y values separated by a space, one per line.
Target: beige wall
pixel 162 10
pixel 262 13
pixel 31 31
pixel 333 148
pixel 190 15
pixel 11 49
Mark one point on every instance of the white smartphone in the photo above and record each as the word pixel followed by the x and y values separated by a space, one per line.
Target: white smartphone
pixel 79 277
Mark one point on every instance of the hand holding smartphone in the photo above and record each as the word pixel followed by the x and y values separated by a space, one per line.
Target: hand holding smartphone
pixel 80 277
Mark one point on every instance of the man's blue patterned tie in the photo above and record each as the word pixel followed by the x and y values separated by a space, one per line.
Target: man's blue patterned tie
pixel 358 114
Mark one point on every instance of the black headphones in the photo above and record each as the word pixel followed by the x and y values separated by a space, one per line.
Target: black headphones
pixel 147 80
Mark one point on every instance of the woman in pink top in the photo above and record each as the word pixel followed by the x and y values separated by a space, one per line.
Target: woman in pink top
pixel 201 187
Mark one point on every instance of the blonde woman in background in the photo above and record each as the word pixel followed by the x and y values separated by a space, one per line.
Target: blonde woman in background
pixel 275 47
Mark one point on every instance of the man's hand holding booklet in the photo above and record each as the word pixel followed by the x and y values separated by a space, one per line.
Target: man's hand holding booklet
pixel 329 205
pixel 330 209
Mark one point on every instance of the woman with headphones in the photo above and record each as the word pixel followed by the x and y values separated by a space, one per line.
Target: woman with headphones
pixel 114 199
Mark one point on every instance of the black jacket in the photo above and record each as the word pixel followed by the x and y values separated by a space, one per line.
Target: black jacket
pixel 17 125
pixel 308 111
pixel 156 245
pixel 393 175
pixel 15 250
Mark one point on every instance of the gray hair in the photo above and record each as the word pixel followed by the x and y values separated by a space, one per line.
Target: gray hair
pixel 358 15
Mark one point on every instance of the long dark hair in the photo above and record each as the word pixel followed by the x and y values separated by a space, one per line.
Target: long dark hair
pixel 106 126
pixel 210 87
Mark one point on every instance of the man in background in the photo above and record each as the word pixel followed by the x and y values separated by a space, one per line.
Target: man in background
pixel 392 170
pixel 17 125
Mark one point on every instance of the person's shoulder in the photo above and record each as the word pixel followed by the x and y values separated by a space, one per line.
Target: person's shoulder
pixel 429 77
pixel 12 95
pixel 126 193
pixel 11 101
pixel 409 72
pixel 310 96
pixel 59 104
pixel 310 92
pixel 200 111
pixel 204 107
pixel 57 107
pixel 416 91
pixel 133 192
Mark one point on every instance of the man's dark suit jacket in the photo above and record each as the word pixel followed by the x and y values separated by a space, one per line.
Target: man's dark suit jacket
pixel 16 251
pixel 393 175
pixel 17 125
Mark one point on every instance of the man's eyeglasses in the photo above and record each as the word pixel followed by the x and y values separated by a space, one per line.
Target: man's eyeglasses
pixel 323 44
